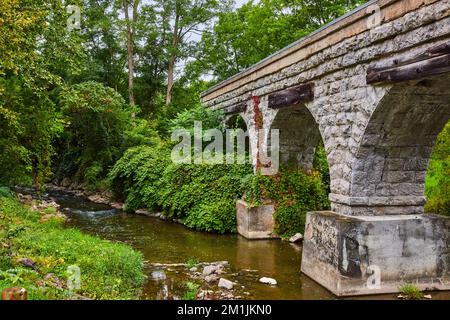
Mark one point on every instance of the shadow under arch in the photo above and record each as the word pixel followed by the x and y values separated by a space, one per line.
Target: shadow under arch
pixel 388 175
pixel 299 137
pixel 235 121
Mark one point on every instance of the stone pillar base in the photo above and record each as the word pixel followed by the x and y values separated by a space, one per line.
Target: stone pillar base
pixel 255 222
pixel 359 255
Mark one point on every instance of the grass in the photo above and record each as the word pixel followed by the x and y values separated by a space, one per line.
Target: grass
pixel 192 262
pixel 411 292
pixel 108 270
pixel 192 290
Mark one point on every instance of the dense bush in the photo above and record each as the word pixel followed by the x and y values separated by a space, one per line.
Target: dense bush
pixel 136 177
pixel 203 195
pixel 211 119
pixel 293 192
pixel 437 187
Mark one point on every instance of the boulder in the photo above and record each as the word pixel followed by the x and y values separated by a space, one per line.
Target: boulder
pixel 28 263
pixel 65 183
pixel 25 199
pixel 296 238
pixel 211 278
pixel 159 275
pixel 268 281
pixel 52 280
pixel 210 269
pixel 226 284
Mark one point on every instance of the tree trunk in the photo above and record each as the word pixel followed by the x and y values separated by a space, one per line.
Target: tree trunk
pixel 130 46
pixel 173 57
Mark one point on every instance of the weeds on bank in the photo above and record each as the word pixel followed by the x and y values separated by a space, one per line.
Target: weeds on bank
pixel 411 292
pixel 108 270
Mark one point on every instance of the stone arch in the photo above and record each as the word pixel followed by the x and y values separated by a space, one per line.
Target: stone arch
pixel 299 136
pixel 390 166
pixel 235 121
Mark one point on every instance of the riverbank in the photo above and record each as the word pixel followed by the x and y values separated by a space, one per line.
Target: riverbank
pixel 40 255
pixel 106 198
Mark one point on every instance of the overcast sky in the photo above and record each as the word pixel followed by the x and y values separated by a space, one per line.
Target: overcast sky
pixel 240 2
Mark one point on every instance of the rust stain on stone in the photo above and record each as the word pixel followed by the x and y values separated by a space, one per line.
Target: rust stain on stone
pixel 259 120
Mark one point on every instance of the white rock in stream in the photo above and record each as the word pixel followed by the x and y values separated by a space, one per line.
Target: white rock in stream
pixel 159 275
pixel 211 278
pixel 296 238
pixel 226 284
pixel 268 281
pixel 210 269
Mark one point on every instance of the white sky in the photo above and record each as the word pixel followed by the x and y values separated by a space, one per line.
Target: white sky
pixel 241 2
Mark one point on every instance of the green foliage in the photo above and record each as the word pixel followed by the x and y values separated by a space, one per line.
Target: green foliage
pixel 213 217
pixel 136 177
pixel 108 270
pixel 437 185
pixel 243 37
pixel 191 290
pixel 36 51
pixel 141 133
pixel 5 192
pixel 185 120
pixel 411 292
pixel 293 192
pixel 203 195
pixel 99 127
pixel 321 165
pixel 192 262
pixel 146 177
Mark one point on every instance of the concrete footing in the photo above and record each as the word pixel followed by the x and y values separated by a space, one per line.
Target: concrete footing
pixel 255 222
pixel 359 255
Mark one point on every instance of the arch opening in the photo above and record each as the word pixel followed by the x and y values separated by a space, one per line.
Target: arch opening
pixel 299 137
pixel 388 175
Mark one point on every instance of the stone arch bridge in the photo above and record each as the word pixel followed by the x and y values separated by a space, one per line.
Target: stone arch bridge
pixel 374 86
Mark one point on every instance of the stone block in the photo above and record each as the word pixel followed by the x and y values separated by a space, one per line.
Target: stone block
pixel 255 222
pixel 362 255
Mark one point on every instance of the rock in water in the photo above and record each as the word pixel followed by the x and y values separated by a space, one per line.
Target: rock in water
pixel 159 275
pixel 296 238
pixel 226 284
pixel 211 278
pixel 268 281
pixel 210 270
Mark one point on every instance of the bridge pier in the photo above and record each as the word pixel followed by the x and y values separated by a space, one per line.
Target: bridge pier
pixel 358 255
